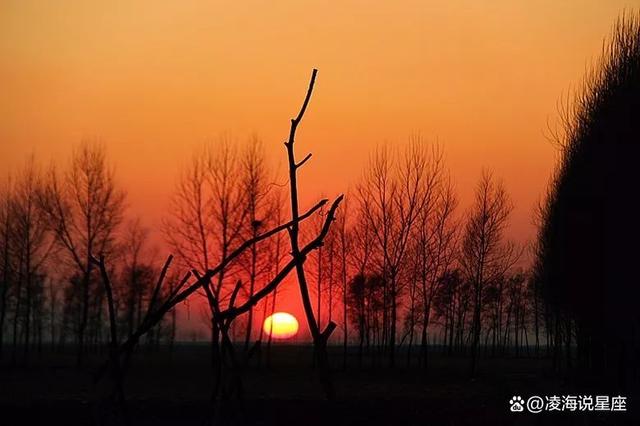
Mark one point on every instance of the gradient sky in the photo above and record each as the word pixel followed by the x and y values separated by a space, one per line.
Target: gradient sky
pixel 155 79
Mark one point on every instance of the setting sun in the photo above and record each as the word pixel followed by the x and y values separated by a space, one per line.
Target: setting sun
pixel 281 325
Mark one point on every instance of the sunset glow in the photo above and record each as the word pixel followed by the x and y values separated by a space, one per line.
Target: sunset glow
pixel 318 212
pixel 281 325
pixel 155 81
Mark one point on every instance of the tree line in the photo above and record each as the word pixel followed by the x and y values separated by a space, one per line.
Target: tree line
pixel 400 267
pixel 588 229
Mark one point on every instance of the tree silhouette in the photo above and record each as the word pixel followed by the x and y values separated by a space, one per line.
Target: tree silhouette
pixel 257 190
pixel 319 337
pixel 31 249
pixel 392 194
pixel 83 208
pixel 590 226
pixel 485 257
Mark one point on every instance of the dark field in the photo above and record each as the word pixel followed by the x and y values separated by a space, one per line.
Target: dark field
pixel 173 389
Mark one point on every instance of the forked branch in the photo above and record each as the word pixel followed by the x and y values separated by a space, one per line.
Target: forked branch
pixel 299 256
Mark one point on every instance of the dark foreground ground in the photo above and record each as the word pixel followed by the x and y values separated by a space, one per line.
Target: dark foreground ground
pixel 173 389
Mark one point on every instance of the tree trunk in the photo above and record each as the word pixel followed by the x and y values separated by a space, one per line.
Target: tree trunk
pixel 85 314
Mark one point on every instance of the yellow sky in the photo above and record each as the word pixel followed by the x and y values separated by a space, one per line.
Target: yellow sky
pixel 154 79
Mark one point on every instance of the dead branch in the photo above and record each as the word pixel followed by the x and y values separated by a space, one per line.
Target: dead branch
pixel 319 338
pixel 118 372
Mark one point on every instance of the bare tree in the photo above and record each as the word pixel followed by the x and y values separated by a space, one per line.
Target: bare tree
pixel 207 218
pixel 437 245
pixel 136 275
pixel 320 338
pixel 485 256
pixel 83 208
pixel 228 202
pixel 189 230
pixel 391 197
pixel 31 248
pixel 257 192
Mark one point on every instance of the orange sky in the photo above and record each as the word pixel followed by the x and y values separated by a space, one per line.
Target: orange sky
pixel 154 79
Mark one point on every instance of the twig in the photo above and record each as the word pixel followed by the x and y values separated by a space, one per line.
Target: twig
pixel 156 290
